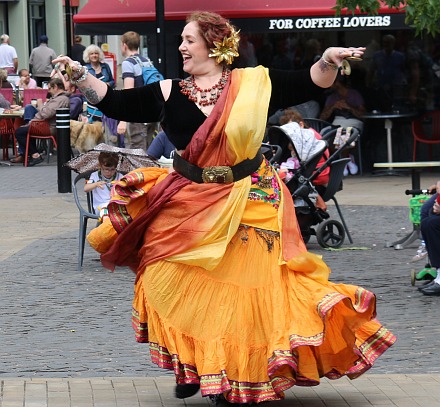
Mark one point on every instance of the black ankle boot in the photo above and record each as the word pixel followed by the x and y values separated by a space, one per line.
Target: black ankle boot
pixel 183 391
pixel 220 401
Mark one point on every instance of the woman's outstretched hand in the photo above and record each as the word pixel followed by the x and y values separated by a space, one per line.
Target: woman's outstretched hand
pixel 336 55
pixel 92 88
pixel 63 61
pixel 334 60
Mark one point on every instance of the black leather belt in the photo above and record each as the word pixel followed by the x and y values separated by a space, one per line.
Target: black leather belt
pixel 218 174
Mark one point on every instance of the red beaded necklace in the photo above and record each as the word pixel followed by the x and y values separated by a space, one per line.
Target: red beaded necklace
pixel 190 89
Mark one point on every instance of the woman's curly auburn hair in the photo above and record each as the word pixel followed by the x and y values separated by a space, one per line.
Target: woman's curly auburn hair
pixel 213 27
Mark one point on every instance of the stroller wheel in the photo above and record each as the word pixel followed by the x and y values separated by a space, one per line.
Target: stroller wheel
pixel 330 233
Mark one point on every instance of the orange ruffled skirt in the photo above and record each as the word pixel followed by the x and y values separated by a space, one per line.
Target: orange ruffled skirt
pixel 252 328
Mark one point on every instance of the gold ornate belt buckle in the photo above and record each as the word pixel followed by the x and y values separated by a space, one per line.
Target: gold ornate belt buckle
pixel 219 175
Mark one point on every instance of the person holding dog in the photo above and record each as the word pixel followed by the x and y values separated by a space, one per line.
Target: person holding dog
pixel 226 293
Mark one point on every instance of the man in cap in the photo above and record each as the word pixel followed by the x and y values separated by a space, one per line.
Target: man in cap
pixel 41 61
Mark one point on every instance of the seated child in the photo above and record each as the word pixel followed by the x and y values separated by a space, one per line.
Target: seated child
pixel 320 182
pixel 101 182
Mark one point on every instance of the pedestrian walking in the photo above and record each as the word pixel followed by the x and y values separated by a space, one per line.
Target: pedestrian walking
pixel 40 61
pixel 8 55
pixel 139 135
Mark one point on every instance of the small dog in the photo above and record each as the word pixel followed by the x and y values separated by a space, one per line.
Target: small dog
pixel 85 136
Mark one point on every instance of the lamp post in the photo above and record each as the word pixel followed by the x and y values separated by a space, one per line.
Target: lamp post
pixel 160 31
pixel 68 14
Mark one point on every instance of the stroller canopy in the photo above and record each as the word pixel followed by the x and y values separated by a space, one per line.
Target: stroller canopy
pixel 303 140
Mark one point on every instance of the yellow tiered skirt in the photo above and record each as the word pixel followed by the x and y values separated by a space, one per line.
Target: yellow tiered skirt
pixel 253 327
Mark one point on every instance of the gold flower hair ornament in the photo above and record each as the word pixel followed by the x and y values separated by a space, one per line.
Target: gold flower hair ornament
pixel 226 50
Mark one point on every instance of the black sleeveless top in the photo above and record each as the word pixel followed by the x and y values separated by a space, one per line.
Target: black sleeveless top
pixel 180 117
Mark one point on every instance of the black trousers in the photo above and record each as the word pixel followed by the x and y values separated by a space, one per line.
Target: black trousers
pixel 430 227
pixel 21 135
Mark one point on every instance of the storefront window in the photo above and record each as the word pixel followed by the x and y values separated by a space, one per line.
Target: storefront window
pixel 37 26
pixel 399 70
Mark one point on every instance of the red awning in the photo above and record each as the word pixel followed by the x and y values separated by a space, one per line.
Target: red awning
pixel 143 11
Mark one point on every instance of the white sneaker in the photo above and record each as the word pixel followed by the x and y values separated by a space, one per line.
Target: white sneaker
pixel 346 171
pixel 352 167
pixel 420 255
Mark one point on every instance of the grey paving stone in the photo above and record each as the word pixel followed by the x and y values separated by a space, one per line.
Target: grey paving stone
pixel 66 336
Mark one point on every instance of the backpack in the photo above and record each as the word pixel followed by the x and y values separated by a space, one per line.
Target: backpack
pixel 149 73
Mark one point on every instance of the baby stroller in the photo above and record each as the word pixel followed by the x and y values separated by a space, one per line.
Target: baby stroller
pixel 309 151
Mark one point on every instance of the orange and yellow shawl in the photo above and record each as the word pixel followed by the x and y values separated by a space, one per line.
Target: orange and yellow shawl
pixel 156 216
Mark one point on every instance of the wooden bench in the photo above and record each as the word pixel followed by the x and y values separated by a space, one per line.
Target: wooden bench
pixel 416 168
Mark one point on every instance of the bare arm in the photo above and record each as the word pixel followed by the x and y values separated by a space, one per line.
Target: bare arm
pixel 324 71
pixel 92 88
pixel 122 126
pixel 93 185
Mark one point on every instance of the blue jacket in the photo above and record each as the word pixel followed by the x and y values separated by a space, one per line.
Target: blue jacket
pixel 105 75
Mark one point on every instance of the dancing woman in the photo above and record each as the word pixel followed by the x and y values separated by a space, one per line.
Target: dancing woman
pixel 226 293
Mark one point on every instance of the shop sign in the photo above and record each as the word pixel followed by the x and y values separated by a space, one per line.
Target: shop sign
pixel 338 23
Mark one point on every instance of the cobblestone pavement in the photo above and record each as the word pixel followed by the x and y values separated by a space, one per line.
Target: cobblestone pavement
pixel 57 322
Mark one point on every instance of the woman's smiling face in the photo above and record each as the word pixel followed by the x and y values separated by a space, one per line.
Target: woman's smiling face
pixel 94 56
pixel 194 50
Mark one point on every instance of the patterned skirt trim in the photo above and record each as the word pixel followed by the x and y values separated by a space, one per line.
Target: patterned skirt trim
pixel 282 366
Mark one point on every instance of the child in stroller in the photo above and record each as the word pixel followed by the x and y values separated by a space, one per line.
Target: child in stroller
pixel 308 178
pixel 306 142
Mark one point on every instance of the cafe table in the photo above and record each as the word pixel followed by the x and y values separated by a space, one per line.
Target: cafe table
pixel 388 118
pixel 5 113
pixel 15 115
pixel 416 168
pixel 17 118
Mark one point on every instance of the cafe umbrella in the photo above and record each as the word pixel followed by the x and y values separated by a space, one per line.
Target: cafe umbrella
pixel 129 159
